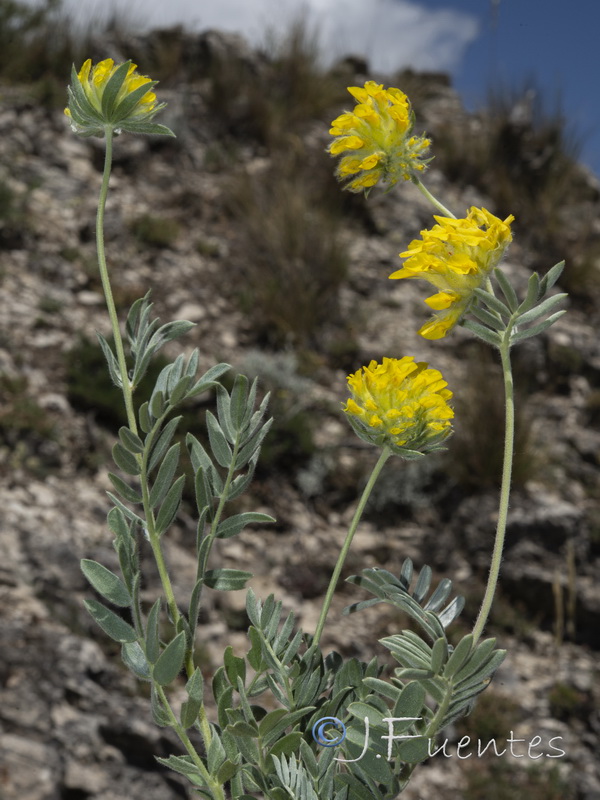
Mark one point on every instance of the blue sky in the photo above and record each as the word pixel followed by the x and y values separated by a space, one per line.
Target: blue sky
pixel 479 42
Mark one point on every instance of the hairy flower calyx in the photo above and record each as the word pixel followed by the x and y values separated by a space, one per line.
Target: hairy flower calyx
pixel 456 256
pixel 109 96
pixel 376 139
pixel 400 404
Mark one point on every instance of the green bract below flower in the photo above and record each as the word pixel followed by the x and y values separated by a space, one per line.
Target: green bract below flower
pixel 401 405
pixel 115 97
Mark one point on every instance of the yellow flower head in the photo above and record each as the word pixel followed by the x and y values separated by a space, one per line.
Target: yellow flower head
pixel 115 96
pixel 400 404
pixel 376 139
pixel 456 256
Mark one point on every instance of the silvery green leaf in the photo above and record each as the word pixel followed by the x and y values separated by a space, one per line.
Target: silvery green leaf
pixel 184 766
pixel 144 418
pixel 479 657
pixel 140 305
pixel 250 401
pixel 179 393
pixel 551 277
pixel 452 611
pixel 175 373
pixel 533 293
pixel 203 491
pixel 519 336
pixel 192 364
pixel 113 364
pixel 485 334
pixel 544 308
pixel 195 685
pixel 125 460
pixel 439 596
pixel 189 712
pixel 235 667
pixel 164 440
pixel 413 751
pixel 382 688
pixel 208 380
pixel 170 661
pixel 198 454
pixel 216 753
pixel 168 332
pixel 170 506
pixel 233 525
pixel 226 580
pixel 239 401
pixel 439 654
pixel 124 489
pixel 506 288
pixel 223 414
pixel 131 515
pixel 493 303
pixel 165 476
pixel 111 623
pixel 252 445
pixel 287 745
pixel 488 319
pixel 152 634
pixel 106 583
pixel 134 658
pixel 130 440
pixel 239 484
pixel 118 524
pixel 157 404
pixel 423 584
pixel 414 674
pixel 406 653
pixel 406 572
pixel 160 714
pixel 461 653
pixel 221 450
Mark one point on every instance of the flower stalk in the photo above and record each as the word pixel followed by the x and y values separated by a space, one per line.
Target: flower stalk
pixel 509 438
pixel 385 454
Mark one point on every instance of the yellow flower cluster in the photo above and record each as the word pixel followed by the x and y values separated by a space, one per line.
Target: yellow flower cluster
pixel 112 96
pixel 400 404
pixel 456 256
pixel 376 139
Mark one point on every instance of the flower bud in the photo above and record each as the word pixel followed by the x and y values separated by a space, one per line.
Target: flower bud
pixel 376 139
pixel 115 97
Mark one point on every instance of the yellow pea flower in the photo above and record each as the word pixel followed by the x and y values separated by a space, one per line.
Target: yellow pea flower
pixel 456 256
pixel 400 404
pixel 376 139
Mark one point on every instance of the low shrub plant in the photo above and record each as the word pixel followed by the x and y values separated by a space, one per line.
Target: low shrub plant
pixel 291 720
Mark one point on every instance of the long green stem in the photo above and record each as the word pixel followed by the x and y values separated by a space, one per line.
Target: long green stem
pixel 108 295
pixel 385 454
pixel 424 191
pixel 128 399
pixel 126 385
pixel 216 788
pixel 509 438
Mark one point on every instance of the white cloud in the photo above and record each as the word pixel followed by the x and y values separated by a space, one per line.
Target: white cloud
pixel 390 33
